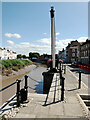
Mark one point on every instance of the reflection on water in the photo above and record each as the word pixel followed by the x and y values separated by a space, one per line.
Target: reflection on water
pixel 36 75
pixel 39 87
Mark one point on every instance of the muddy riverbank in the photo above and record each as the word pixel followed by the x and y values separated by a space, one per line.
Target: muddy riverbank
pixel 35 71
pixel 6 80
pixel 16 75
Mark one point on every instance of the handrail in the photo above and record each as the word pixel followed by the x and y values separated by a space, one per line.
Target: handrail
pixel 8 86
pixel 34 79
pixel 7 102
pixel 13 96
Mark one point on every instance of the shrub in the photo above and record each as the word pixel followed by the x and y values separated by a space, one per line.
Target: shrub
pixel 14 64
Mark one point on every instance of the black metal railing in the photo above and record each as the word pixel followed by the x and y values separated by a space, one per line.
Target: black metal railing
pixel 21 94
pixel 8 86
pixel 18 94
pixel 1 90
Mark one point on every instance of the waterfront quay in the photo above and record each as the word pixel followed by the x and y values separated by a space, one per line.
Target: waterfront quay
pixel 51 105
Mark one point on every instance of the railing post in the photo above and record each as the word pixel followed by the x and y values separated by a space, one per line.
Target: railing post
pixel 79 80
pixel 26 86
pixel 64 69
pixel 18 92
pixel 60 65
pixel 62 89
pixel 60 73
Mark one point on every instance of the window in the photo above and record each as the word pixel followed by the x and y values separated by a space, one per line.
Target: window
pixel 84 53
pixel 73 50
pixel 73 54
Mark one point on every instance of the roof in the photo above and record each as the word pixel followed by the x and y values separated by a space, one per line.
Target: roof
pixel 87 41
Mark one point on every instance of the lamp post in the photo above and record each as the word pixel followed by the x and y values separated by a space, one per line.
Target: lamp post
pixel 52 37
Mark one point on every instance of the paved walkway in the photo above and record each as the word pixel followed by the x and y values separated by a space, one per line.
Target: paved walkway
pixel 51 106
pixel 85 74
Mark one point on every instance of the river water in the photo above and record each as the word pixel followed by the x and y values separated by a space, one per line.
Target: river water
pixel 34 75
pixel 35 80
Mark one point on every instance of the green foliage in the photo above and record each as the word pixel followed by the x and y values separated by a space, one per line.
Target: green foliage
pixel 34 54
pixel 24 56
pixel 18 62
pixel 19 56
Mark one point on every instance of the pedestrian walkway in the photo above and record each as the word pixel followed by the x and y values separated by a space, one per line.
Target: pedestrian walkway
pixel 51 106
pixel 85 74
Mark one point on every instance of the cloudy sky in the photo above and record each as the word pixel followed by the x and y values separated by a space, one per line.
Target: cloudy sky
pixel 26 26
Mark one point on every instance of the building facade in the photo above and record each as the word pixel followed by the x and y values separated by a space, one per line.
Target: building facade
pixel 73 52
pixel 85 52
pixel 77 52
pixel 1 53
pixel 7 54
pixel 62 55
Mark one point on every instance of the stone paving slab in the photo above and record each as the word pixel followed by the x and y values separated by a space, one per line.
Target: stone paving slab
pixel 73 109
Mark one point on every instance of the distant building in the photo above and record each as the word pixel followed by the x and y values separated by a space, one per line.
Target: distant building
pixel 62 55
pixel 73 52
pixel 4 54
pixel 44 58
pixel 1 53
pixel 7 54
pixel 76 51
pixel 85 52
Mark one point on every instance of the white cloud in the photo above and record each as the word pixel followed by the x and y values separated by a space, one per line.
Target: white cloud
pixel 45 40
pixel 25 48
pixel 15 35
pixel 10 42
pixel 44 33
pixel 45 47
pixel 63 43
pixel 57 33
pixel 8 35
pixel 25 43
pixel 82 39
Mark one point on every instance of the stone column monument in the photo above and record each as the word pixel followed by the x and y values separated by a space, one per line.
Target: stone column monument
pixel 52 37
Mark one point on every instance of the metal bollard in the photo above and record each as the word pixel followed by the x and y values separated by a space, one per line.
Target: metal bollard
pixel 62 89
pixel 60 65
pixel 18 92
pixel 26 87
pixel 79 80
pixel 60 77
pixel 60 73
pixel 64 69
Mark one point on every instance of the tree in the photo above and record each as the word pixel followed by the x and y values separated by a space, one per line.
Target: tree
pixel 33 54
pixel 30 55
pixel 19 56
pixel 24 56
